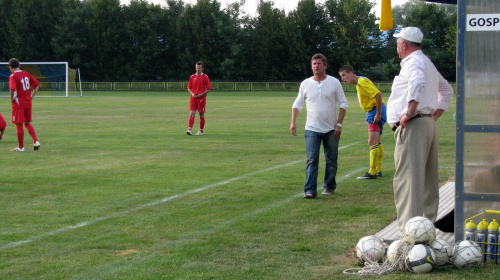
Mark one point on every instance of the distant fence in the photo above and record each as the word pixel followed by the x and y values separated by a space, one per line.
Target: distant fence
pixel 180 86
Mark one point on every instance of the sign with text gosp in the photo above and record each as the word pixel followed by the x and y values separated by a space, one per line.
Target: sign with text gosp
pixel 483 22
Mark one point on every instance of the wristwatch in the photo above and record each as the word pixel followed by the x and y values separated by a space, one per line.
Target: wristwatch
pixel 339 124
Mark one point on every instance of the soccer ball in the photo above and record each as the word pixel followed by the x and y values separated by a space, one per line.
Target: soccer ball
pixel 396 250
pixel 467 253
pixel 419 230
pixel 442 250
pixel 420 259
pixel 370 248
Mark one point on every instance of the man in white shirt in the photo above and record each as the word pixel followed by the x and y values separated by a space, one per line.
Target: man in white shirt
pixel 320 93
pixel 419 97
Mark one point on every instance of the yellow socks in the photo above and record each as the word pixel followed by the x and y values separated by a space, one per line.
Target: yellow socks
pixel 379 159
pixel 374 159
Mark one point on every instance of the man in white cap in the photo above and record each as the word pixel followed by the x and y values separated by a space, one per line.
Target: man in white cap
pixel 419 97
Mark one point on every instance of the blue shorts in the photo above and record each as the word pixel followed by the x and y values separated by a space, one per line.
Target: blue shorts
pixel 371 115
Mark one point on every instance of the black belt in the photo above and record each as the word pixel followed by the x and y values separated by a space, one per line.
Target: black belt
pixel 415 117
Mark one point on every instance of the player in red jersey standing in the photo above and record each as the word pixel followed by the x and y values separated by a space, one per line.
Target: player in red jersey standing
pixel 198 86
pixel 20 85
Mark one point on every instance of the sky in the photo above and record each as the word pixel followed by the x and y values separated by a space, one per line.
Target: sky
pixel 251 5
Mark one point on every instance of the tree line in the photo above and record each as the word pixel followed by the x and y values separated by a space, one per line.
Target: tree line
pixel 141 41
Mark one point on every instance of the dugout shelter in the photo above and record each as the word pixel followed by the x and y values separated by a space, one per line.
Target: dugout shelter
pixel 477 171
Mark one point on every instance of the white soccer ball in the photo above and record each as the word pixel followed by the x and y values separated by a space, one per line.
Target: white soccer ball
pixel 419 230
pixel 420 259
pixel 397 250
pixel 467 253
pixel 370 248
pixel 442 251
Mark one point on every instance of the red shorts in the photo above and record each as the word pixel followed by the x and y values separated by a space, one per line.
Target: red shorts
pixel 198 104
pixel 21 115
pixel 374 127
pixel 3 124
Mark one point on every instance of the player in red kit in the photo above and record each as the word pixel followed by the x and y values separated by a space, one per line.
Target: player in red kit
pixel 3 125
pixel 198 86
pixel 20 85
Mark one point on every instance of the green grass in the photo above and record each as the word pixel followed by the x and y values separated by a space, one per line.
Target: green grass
pixel 118 191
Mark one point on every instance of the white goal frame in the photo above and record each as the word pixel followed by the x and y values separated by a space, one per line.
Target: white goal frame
pixel 66 94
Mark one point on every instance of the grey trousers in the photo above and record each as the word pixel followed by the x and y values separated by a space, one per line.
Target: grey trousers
pixel 416 182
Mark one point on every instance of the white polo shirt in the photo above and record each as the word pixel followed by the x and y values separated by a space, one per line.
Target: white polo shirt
pixel 418 80
pixel 321 100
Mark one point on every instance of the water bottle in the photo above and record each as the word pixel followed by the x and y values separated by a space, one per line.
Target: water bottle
pixel 482 235
pixel 470 231
pixel 491 254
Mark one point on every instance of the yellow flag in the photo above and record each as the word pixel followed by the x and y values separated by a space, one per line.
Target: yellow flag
pixel 386 16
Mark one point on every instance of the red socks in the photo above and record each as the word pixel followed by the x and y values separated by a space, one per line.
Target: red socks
pixel 202 123
pixel 190 122
pixel 20 133
pixel 31 131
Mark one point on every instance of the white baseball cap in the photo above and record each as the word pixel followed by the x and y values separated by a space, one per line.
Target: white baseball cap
pixel 412 34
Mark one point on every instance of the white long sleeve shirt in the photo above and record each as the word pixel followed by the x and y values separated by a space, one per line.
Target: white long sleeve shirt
pixel 321 100
pixel 418 80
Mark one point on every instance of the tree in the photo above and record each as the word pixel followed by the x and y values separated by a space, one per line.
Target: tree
pixel 204 33
pixel 70 37
pixel 143 41
pixel 28 26
pixel 438 24
pixel 307 33
pixel 149 42
pixel 354 38
pixel 90 38
pixel 234 64
pixel 266 46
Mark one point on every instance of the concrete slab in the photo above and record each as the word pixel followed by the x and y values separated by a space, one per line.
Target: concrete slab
pixel 446 204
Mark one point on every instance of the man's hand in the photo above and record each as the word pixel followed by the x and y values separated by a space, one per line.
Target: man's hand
pixel 293 129
pixel 403 121
pixel 338 131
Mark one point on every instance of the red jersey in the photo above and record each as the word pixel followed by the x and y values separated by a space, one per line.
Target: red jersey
pixel 199 83
pixel 22 82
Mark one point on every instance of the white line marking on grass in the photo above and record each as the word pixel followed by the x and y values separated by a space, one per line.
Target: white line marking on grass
pixel 151 204
pixel 108 270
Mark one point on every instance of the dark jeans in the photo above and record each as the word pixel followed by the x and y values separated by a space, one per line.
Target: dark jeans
pixel 331 148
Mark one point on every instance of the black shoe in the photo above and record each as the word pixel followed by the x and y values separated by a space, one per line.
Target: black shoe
pixel 309 195
pixel 379 174
pixel 327 191
pixel 367 176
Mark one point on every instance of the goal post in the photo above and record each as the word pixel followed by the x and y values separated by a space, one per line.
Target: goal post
pixel 56 78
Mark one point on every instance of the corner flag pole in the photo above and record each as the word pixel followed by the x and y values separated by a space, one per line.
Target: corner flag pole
pixel 386 16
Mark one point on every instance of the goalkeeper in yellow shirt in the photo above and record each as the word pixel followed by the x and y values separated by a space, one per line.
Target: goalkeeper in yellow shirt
pixel 370 100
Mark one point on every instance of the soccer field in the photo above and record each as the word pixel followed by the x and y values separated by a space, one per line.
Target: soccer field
pixel 119 191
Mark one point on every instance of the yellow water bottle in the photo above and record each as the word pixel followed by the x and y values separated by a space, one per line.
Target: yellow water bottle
pixel 481 236
pixel 492 240
pixel 470 231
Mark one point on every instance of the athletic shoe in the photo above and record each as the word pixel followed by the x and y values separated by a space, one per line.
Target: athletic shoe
pixel 379 174
pixel 36 145
pixel 367 176
pixel 327 191
pixel 199 133
pixel 189 132
pixel 17 149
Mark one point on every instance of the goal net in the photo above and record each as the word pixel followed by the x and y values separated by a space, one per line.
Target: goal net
pixel 56 78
